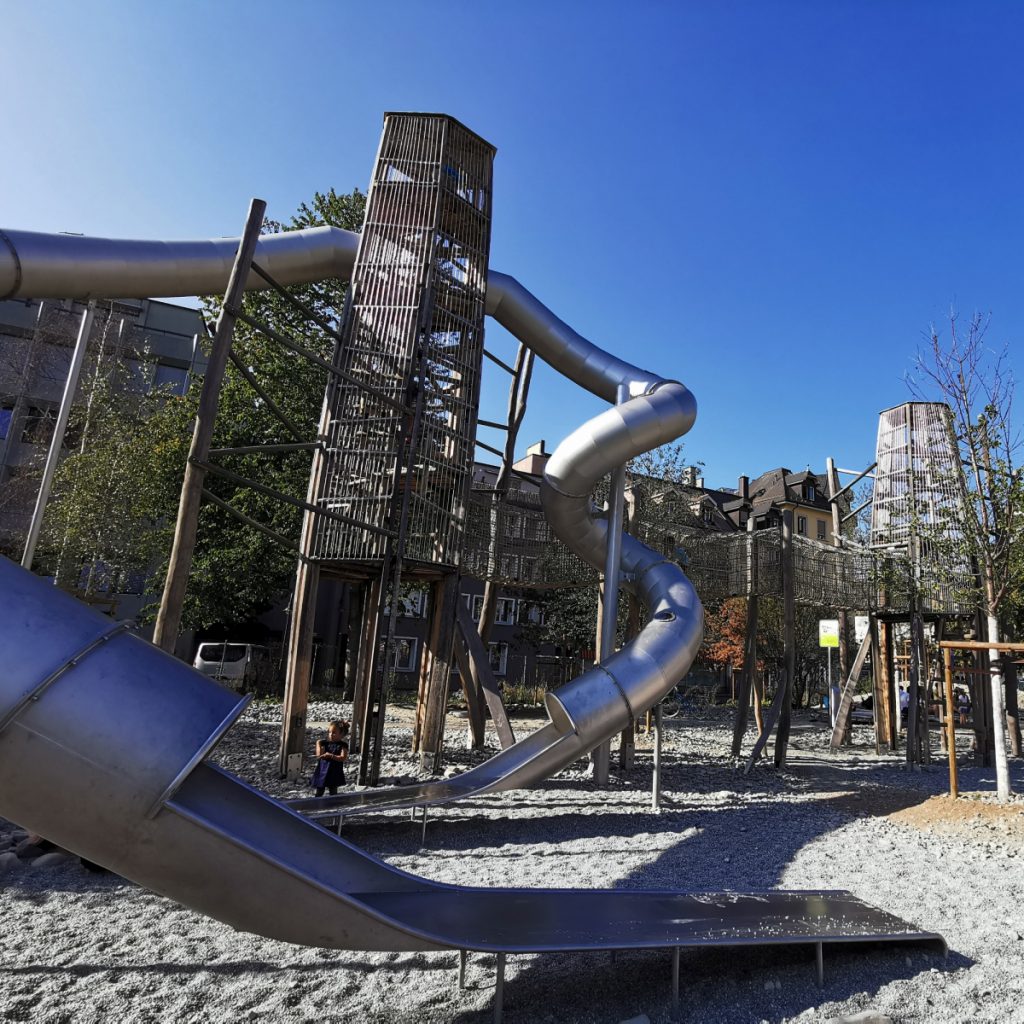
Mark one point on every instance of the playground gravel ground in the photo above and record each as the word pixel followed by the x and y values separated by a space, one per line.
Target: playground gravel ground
pixel 80 947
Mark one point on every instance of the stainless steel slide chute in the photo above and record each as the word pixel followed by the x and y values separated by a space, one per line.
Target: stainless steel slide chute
pixel 104 738
pixel 652 411
pixel 102 746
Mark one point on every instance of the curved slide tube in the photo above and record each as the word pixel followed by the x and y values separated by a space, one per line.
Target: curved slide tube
pixel 103 737
pixel 600 703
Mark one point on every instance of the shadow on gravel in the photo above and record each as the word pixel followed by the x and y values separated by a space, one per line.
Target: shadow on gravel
pixel 724 986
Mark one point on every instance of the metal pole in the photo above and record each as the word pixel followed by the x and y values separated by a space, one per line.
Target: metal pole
pixel 656 774
pixel 499 989
pixel 954 782
pixel 57 442
pixel 675 979
pixel 168 620
pixel 612 566
pixel 831 692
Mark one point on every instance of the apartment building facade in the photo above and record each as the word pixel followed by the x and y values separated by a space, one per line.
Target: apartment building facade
pixel 153 345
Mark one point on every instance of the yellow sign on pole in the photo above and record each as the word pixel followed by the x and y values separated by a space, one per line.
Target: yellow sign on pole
pixel 828 632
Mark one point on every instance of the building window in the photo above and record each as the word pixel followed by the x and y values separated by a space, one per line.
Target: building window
pixel 505 614
pixel 475 604
pixel 405 654
pixel 821 529
pixel 38 428
pixel 412 603
pixel 801 525
pixel 532 612
pixel 137 373
pixel 707 514
pixel 810 491
pixel 744 517
pixel 498 656
pixel 171 379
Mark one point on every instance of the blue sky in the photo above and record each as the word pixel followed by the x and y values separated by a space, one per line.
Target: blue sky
pixel 769 201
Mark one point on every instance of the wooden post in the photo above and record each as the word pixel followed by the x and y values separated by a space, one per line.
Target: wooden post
pixel 758 702
pixel 304 601
pixel 627 742
pixel 445 596
pixel 892 710
pixel 1012 713
pixel 844 661
pixel 300 657
pixel 981 702
pixel 518 391
pixel 168 621
pixel 789 632
pixel 749 647
pixel 367 638
pixel 57 440
pixel 914 707
pixel 488 684
pixel 879 703
pixel 954 788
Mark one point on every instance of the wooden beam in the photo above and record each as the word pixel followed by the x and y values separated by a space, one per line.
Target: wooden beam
pixel 488 683
pixel 749 646
pixel 445 595
pixel 849 688
pixel 789 634
pixel 168 620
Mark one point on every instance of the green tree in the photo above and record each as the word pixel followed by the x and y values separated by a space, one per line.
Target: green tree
pixel 237 571
pixel 116 501
pixel 988 525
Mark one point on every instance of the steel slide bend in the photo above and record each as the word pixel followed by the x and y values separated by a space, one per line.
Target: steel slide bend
pixel 103 737
pixel 599 703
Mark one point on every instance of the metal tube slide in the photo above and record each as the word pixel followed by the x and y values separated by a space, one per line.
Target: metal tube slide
pixel 101 739
pixel 103 736
pixel 586 711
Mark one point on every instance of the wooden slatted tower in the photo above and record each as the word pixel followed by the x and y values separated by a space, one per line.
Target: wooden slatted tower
pixel 399 423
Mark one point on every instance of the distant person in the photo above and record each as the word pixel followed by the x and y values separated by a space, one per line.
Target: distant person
pixel 963 706
pixel 331 753
pixel 904 705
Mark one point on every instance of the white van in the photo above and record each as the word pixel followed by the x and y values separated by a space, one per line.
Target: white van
pixel 238 665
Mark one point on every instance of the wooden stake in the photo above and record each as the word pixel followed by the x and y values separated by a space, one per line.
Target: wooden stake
pixel 789 632
pixel 954 782
pixel 168 621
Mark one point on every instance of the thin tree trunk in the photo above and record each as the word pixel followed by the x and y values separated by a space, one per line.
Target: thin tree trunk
pixel 1003 790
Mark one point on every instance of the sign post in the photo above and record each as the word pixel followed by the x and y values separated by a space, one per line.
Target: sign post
pixel 828 637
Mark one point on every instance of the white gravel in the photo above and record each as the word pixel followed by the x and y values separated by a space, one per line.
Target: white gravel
pixel 81 947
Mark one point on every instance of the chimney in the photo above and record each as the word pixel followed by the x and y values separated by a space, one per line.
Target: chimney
pixel 700 482
pixel 534 460
pixel 744 488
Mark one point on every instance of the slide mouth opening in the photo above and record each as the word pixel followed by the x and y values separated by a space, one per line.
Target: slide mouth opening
pixel 559 715
pixel 665 617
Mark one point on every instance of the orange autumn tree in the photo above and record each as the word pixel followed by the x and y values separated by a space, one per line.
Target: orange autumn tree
pixel 725 629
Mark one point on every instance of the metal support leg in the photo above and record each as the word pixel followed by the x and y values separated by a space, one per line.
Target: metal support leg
pixel 820 957
pixel 499 989
pixel 675 979
pixel 656 775
pixel 423 834
pixel 341 821
pixel 462 968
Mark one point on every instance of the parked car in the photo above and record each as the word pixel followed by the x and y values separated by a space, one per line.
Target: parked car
pixel 238 665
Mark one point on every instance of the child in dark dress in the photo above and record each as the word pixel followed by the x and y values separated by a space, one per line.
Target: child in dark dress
pixel 331 753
